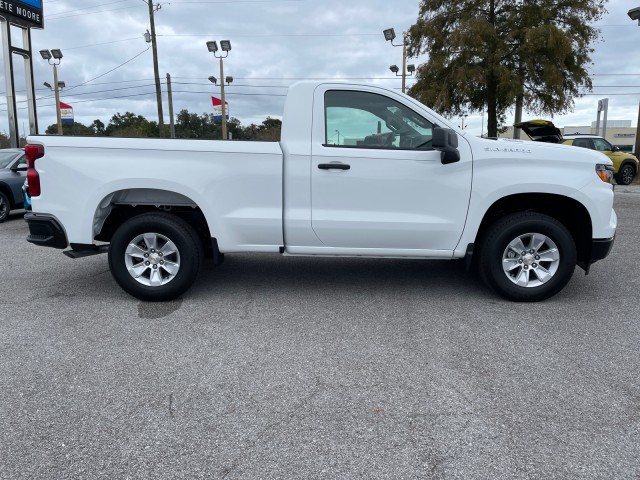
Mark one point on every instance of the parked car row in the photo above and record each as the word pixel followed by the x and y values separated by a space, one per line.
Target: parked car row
pixel 13 171
pixel 625 165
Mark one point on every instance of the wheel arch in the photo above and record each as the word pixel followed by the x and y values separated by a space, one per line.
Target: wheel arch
pixel 6 189
pixel 629 161
pixel 568 211
pixel 119 206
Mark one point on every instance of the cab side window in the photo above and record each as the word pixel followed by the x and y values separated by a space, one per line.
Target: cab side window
pixel 369 120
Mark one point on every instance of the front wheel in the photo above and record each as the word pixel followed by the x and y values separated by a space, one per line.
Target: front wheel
pixel 155 256
pixel 5 207
pixel 626 175
pixel 527 257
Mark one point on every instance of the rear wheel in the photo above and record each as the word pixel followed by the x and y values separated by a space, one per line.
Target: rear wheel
pixel 155 256
pixel 626 174
pixel 527 257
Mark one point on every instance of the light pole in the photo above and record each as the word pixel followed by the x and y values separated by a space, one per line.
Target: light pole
pixel 634 14
pixel 225 45
pixel 463 117
pixel 227 79
pixel 56 54
pixel 338 132
pixel 389 35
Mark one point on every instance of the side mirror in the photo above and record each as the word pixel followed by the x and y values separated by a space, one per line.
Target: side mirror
pixel 19 169
pixel 616 148
pixel 446 140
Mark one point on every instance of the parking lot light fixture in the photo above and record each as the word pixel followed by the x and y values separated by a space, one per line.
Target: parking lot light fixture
pixel 47 84
pixel 213 79
pixel 212 46
pixel 56 54
pixel 228 79
pixel 389 35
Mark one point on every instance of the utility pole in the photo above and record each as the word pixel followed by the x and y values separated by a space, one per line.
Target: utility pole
pixel 224 112
pixel 154 49
pixel 172 126
pixel 518 116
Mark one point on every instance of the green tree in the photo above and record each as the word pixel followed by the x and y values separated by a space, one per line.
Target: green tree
pixel 74 128
pixel 5 141
pixel 490 53
pixel 268 131
pixel 131 125
pixel 192 125
pixel 98 127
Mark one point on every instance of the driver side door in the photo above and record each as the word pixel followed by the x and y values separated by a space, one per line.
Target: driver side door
pixel 377 184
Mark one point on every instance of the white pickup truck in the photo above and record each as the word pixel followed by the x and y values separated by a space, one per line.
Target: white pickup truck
pixel 359 171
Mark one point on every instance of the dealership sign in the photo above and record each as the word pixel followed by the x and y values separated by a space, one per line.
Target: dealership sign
pixel 26 13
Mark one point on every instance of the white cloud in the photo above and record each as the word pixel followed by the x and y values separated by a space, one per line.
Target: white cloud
pixel 273 44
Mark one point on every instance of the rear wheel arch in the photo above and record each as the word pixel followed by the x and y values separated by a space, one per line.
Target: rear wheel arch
pixel 120 206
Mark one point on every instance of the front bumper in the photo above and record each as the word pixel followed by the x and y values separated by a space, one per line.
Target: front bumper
pixel 45 231
pixel 600 248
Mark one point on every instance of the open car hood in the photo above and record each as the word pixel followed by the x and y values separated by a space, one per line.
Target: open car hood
pixel 541 131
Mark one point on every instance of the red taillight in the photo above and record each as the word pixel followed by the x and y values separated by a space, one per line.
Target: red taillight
pixel 33 152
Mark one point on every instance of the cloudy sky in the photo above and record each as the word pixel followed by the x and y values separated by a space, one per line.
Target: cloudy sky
pixel 274 43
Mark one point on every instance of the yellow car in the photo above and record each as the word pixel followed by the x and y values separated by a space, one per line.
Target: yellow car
pixel 625 165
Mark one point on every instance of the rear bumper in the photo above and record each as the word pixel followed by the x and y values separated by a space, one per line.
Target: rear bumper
pixel 45 231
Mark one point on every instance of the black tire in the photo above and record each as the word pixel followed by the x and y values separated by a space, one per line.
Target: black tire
pixel 5 207
pixel 180 238
pixel 543 279
pixel 626 174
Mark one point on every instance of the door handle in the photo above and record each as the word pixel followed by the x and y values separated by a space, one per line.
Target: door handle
pixel 334 166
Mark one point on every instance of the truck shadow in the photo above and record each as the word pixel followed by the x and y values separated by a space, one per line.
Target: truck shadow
pixel 331 276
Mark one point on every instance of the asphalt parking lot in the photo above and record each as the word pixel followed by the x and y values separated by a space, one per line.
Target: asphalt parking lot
pixel 275 367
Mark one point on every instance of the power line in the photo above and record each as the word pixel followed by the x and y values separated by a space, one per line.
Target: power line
pixel 267 35
pixel 85 8
pixel 115 68
pixel 103 43
pixel 93 13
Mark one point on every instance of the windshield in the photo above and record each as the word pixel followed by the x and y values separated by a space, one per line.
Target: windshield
pixel 6 158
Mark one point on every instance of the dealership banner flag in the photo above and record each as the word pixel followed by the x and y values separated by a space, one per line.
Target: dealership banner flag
pixel 217 108
pixel 66 112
